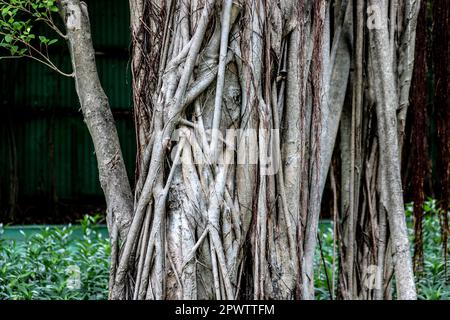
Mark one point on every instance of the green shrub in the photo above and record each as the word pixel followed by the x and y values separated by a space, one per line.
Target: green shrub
pixel 53 264
pixel 323 280
pixel 431 285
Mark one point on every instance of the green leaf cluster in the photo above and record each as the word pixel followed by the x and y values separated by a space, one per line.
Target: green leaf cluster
pixel 42 266
pixel 18 19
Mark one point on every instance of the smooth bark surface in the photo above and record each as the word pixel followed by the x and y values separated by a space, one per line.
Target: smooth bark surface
pixel 98 116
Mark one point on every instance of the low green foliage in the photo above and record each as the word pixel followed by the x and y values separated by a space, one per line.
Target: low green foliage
pixel 53 264
pixel 323 279
pixel 431 285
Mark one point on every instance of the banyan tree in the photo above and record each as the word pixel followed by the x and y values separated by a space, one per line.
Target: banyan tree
pixel 247 112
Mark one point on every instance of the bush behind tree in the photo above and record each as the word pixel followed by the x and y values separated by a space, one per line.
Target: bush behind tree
pixel 47 264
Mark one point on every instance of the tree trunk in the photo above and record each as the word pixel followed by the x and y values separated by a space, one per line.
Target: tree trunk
pixel 238 106
pixel 441 52
pixel 98 116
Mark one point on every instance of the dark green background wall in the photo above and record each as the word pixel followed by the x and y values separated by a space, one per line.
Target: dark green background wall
pixel 43 140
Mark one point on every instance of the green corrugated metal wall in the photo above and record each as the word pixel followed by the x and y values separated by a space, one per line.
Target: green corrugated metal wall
pixel 53 147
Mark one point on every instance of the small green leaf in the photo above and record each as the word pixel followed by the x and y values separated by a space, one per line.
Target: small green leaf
pixel 13 50
pixel 17 25
pixel 43 39
pixel 5 10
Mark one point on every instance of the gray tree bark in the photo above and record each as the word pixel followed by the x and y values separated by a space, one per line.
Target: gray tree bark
pixel 98 116
pixel 199 227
